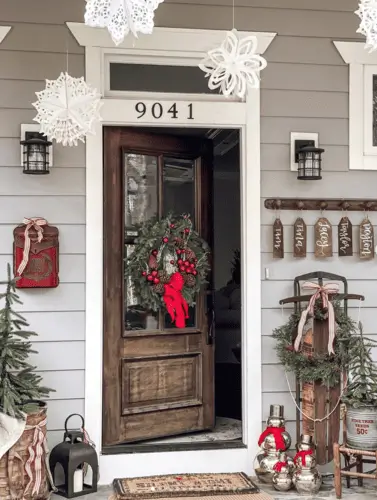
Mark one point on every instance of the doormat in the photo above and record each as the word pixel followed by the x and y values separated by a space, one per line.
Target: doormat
pixel 185 485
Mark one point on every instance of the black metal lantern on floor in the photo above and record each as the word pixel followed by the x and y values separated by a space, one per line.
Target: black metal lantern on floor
pixel 309 159
pixel 35 155
pixel 74 455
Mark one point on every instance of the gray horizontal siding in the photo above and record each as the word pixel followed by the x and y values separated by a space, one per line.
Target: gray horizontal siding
pixel 32 52
pixel 304 88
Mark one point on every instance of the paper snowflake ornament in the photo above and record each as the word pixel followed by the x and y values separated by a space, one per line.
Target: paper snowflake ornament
pixel 367 12
pixel 68 109
pixel 234 66
pixel 122 16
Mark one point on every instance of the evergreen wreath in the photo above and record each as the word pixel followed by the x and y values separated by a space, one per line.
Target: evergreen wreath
pixel 316 367
pixel 168 256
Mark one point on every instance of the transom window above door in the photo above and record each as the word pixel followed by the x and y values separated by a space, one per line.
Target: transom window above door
pixel 135 76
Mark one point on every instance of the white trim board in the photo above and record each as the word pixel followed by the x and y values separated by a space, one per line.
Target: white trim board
pixel 193 41
pixel 362 156
pixel 245 116
pixel 4 30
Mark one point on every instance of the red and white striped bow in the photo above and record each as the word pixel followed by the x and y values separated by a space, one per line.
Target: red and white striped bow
pixel 323 293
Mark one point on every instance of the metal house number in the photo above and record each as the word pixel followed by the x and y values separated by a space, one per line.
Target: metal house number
pixel 158 110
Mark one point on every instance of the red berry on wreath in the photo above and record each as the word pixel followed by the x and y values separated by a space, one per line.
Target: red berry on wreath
pixel 182 269
pixel 154 273
pixel 172 262
pixel 155 253
pixel 192 265
pixel 187 263
pixel 194 272
pixel 179 252
pixel 187 230
pixel 150 277
pixel 165 240
pixel 188 270
pixel 143 273
pixel 156 281
pixel 172 226
pixel 180 262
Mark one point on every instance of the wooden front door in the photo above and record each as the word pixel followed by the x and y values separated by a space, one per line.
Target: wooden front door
pixel 158 380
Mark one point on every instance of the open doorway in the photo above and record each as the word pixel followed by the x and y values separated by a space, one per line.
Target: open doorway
pixel 158 172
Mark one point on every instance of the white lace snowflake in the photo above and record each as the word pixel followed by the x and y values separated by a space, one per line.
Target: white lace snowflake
pixel 367 12
pixel 122 16
pixel 68 109
pixel 234 66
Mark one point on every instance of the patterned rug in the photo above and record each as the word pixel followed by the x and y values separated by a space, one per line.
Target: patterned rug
pixel 186 485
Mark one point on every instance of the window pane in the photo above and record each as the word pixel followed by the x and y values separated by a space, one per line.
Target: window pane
pixel 141 203
pixel 190 321
pixel 374 110
pixel 179 187
pixel 141 198
pixel 136 317
pixel 158 78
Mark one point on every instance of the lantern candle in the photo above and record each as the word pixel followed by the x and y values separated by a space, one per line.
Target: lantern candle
pixel 78 480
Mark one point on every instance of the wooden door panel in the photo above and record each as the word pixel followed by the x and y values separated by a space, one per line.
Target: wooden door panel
pixel 157 382
pixel 161 383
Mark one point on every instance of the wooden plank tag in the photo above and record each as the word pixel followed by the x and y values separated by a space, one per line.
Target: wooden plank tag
pixel 345 237
pixel 366 240
pixel 323 238
pixel 278 240
pixel 299 238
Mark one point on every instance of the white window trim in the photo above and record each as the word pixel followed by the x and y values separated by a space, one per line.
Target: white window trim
pixel 362 155
pixel 192 45
pixel 4 30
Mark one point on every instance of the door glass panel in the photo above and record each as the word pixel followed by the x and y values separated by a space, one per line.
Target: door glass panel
pixel 190 321
pixel 179 187
pixel 179 198
pixel 141 203
pixel 141 197
pixel 136 316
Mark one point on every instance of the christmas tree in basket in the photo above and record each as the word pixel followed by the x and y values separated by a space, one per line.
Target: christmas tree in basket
pixel 19 384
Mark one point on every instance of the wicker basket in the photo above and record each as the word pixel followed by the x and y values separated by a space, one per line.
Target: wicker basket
pixel 19 473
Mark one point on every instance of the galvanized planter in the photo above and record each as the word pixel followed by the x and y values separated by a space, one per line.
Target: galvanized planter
pixel 362 428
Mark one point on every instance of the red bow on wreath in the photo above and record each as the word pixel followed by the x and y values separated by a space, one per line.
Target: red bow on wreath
pixel 176 305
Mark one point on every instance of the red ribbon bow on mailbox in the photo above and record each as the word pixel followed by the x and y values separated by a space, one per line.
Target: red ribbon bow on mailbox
pixel 176 305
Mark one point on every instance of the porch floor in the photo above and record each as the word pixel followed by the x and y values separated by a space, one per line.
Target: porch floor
pixel 368 492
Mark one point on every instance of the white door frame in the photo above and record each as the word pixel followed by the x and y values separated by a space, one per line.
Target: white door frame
pixel 169 45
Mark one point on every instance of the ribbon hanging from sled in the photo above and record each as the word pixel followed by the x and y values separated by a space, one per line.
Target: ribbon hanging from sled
pixel 323 293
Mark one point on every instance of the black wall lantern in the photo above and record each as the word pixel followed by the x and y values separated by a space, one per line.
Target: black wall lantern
pixel 309 159
pixel 35 154
pixel 74 455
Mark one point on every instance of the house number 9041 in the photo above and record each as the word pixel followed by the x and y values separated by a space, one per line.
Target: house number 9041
pixel 158 110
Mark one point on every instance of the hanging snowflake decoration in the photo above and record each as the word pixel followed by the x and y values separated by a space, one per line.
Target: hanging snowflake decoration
pixel 234 66
pixel 122 16
pixel 68 109
pixel 367 12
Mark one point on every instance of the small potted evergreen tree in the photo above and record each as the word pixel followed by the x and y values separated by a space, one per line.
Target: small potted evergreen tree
pixel 360 395
pixel 22 413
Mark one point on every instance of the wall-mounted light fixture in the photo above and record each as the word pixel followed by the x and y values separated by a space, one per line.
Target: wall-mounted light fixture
pixel 36 151
pixel 306 155
pixel 309 163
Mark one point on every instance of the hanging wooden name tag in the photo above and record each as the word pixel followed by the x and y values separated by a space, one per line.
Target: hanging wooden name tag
pixel 278 240
pixel 345 237
pixel 323 238
pixel 299 238
pixel 366 240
